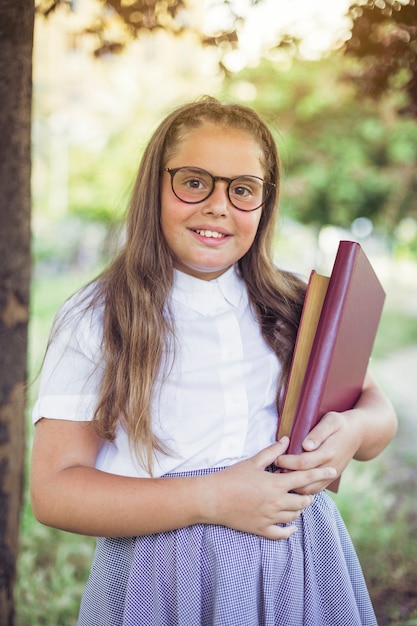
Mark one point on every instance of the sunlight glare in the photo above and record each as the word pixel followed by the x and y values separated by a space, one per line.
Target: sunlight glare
pixel 321 25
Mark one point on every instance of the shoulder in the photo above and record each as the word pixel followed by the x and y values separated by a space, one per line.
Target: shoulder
pixel 79 320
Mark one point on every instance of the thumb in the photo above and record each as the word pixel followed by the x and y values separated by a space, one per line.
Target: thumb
pixel 269 455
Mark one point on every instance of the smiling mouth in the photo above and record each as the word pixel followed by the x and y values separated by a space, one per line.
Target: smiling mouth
pixel 210 234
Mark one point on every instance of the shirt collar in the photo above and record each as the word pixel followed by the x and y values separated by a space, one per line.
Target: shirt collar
pixel 209 297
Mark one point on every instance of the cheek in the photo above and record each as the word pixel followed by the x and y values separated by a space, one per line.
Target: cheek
pixel 173 220
pixel 251 234
pixel 250 228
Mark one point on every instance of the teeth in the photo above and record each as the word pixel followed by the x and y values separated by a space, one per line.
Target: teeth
pixel 210 233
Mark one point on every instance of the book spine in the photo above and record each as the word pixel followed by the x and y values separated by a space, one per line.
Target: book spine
pixel 287 413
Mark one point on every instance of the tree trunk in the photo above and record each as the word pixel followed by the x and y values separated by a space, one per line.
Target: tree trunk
pixel 16 39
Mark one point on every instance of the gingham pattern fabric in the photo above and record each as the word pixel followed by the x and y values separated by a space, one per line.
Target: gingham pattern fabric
pixel 213 576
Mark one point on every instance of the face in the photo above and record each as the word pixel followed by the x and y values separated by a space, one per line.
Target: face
pixel 208 238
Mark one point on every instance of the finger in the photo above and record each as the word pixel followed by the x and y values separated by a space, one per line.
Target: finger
pixel 322 431
pixel 280 532
pixel 293 504
pixel 302 478
pixel 316 487
pixel 287 517
pixel 303 461
pixel 268 455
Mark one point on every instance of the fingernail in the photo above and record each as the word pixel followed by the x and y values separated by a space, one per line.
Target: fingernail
pixel 332 471
pixel 283 439
pixel 309 444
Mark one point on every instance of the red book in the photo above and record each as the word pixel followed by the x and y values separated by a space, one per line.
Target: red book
pixel 341 342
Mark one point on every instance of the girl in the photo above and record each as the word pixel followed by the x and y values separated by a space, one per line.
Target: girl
pixel 159 402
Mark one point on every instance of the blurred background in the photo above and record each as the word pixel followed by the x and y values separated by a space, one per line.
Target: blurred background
pixel 337 83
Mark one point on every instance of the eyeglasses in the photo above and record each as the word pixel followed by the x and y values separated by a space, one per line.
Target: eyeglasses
pixel 193 185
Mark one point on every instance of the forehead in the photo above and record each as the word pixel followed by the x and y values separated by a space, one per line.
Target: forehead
pixel 220 149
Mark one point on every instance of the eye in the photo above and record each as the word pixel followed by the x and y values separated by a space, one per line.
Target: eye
pixel 246 187
pixel 193 180
pixel 241 191
pixel 193 183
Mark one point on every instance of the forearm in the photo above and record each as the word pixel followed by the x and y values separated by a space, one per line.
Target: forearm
pixel 375 421
pixel 88 501
pixel 69 493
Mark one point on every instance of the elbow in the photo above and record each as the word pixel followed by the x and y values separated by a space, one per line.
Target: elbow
pixel 391 422
pixel 388 428
pixel 38 509
pixel 42 504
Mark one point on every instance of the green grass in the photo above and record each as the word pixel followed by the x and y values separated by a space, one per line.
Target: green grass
pixel 382 520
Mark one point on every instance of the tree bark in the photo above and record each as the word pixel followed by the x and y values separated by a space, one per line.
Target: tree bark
pixel 16 40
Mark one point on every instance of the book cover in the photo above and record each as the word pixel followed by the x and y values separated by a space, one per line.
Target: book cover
pixel 343 340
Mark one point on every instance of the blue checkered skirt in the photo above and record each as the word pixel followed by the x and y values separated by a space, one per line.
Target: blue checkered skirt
pixel 207 575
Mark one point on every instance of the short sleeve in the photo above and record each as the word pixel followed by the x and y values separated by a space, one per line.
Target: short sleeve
pixel 72 368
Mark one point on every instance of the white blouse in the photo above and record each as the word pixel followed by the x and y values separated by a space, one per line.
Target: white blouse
pixel 217 405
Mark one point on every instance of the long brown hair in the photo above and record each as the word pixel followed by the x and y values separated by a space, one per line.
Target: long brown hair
pixel 139 332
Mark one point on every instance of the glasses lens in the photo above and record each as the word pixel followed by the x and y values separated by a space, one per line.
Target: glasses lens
pixel 192 184
pixel 247 192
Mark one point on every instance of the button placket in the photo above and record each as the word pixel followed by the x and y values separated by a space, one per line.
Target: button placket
pixel 236 408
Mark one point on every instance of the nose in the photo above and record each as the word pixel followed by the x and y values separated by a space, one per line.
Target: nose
pixel 218 201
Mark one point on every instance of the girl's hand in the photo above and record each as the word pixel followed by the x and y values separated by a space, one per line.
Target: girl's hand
pixel 333 442
pixel 247 498
pixel 361 433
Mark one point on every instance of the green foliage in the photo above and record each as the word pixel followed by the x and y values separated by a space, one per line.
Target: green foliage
pixel 53 569
pixel 343 158
pixel 383 530
pixel 100 181
pixel 383 40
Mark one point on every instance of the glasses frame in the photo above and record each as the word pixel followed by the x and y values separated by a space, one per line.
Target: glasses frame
pixel 267 186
